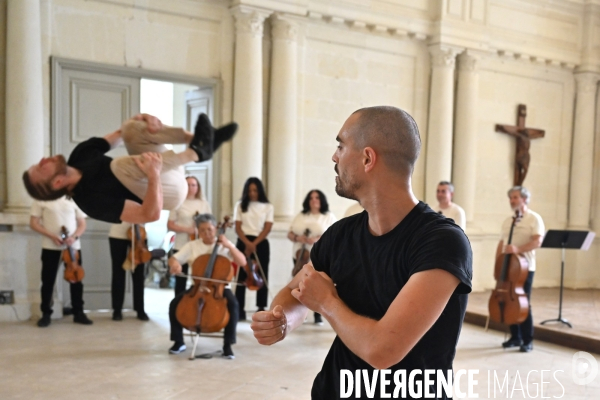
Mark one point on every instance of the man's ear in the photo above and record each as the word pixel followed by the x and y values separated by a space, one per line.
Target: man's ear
pixel 369 158
pixel 58 182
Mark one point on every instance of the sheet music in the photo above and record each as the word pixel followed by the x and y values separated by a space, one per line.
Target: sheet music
pixel 588 240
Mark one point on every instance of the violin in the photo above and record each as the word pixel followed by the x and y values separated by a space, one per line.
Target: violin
pixel 302 256
pixel 254 281
pixel 508 303
pixel 138 252
pixel 73 270
pixel 194 236
pixel 203 308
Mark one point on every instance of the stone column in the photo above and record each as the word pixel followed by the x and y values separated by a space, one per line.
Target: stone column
pixel 438 161
pixel 283 117
pixel 465 134
pixel 582 161
pixel 24 97
pixel 247 146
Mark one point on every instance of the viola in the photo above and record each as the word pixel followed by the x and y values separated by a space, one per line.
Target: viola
pixel 203 308
pixel 73 270
pixel 194 236
pixel 138 251
pixel 302 256
pixel 254 281
pixel 508 303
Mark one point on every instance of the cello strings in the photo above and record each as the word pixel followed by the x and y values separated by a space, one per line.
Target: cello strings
pixel 201 278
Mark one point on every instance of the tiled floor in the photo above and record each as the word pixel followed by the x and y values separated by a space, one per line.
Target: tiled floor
pixel 129 360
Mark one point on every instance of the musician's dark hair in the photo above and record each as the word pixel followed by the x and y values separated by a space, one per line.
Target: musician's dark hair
pixel 43 190
pixel 306 204
pixel 262 196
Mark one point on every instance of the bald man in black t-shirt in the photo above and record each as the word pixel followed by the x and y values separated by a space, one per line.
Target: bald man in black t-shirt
pixel 392 281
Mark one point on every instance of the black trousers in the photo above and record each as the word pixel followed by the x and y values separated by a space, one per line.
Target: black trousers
pixel 524 330
pixel 51 260
pixel 180 282
pixel 230 328
pixel 118 253
pixel 264 253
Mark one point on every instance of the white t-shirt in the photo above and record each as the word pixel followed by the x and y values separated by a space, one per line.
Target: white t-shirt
pixel 54 215
pixel 119 231
pixel 253 220
pixel 316 223
pixel 529 226
pixel 455 212
pixel 184 216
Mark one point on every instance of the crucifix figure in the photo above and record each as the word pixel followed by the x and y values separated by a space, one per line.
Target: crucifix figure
pixel 523 136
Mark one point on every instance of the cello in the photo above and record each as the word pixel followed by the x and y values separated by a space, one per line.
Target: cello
pixel 508 303
pixel 73 270
pixel 203 308
pixel 302 256
pixel 138 252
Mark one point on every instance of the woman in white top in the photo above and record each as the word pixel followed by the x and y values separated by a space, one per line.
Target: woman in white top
pixel 253 218
pixel 316 217
pixel 181 221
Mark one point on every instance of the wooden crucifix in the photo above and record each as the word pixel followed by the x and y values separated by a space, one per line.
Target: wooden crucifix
pixel 523 136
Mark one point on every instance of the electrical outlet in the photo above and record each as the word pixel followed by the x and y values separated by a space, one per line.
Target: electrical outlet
pixel 7 297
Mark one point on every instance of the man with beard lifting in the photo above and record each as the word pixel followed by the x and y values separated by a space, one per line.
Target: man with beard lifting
pixel 392 281
pixel 132 188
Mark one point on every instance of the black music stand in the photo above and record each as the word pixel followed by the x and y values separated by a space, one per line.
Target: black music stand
pixel 580 240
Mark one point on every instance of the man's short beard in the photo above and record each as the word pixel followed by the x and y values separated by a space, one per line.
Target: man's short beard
pixel 347 192
pixel 61 166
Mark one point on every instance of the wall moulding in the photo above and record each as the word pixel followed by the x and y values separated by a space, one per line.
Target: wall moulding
pixel 358 25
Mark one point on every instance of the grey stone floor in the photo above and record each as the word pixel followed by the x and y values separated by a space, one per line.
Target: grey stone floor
pixel 129 360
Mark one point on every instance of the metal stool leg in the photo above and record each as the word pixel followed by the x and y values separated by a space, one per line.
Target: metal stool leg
pixel 195 340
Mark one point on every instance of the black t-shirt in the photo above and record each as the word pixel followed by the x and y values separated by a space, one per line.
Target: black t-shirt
pixel 369 272
pixel 99 193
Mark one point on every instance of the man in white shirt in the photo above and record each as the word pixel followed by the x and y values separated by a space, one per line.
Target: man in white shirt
pixel 527 236
pixel 48 218
pixel 445 193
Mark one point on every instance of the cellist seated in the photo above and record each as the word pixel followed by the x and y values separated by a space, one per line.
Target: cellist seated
pixel 187 254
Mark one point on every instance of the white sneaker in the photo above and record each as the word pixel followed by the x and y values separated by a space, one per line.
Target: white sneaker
pixel 177 348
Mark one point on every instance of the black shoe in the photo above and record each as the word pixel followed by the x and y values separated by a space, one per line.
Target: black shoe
pixel 142 316
pixel 242 316
pixel 224 134
pixel 67 311
pixel 526 348
pixel 81 318
pixel 204 138
pixel 177 348
pixel 227 352
pixel 318 319
pixel 44 321
pixel 260 309
pixel 117 315
pixel 512 343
